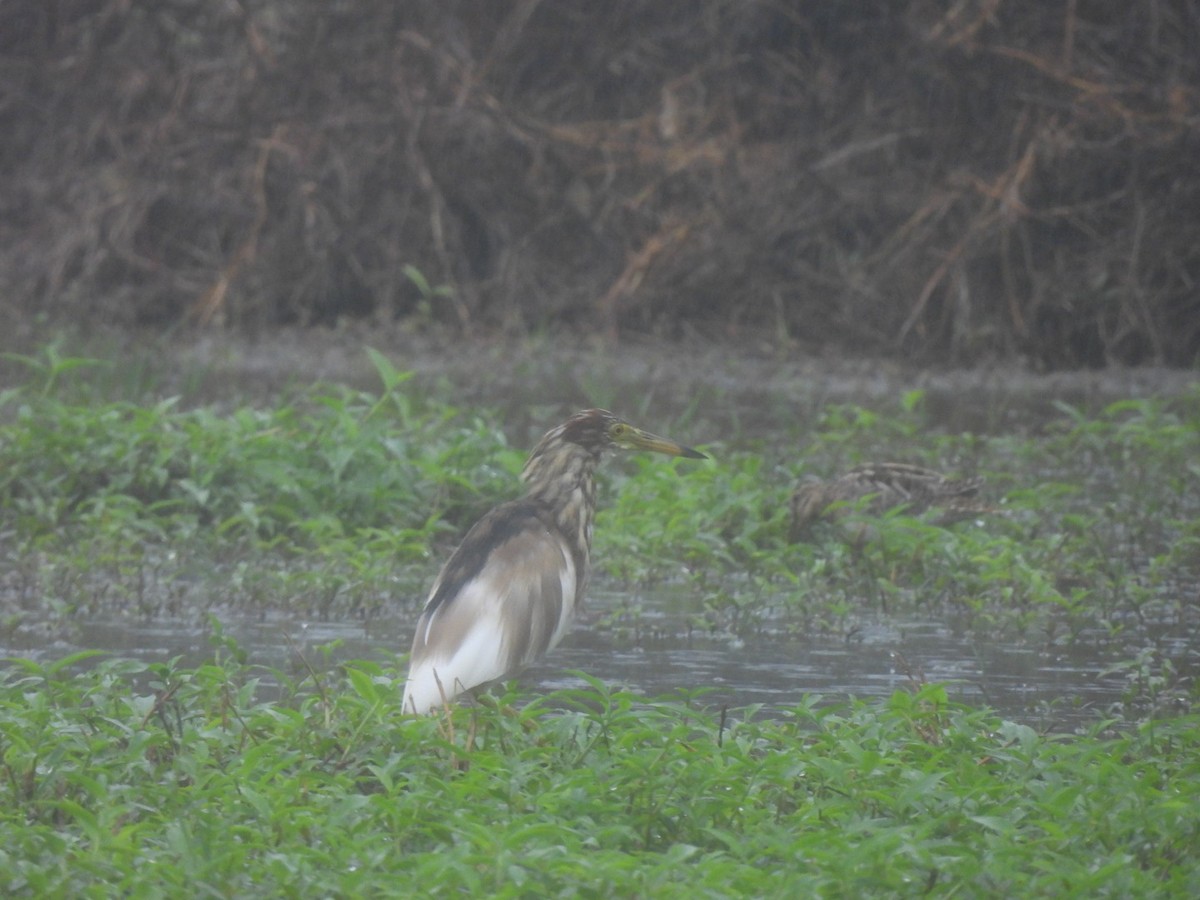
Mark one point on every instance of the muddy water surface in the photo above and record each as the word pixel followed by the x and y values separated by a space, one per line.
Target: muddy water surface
pixel 1046 686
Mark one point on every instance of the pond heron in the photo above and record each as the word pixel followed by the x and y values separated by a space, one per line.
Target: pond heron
pixel 509 593
pixel 888 485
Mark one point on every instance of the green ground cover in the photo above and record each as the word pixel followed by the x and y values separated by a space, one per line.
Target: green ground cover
pixel 191 787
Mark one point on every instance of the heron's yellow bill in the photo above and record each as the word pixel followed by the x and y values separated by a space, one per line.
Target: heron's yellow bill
pixel 631 438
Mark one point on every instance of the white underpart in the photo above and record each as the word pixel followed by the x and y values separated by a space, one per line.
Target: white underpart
pixel 481 656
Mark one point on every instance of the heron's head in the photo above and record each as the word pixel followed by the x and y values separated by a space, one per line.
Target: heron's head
pixel 598 430
pixel 810 500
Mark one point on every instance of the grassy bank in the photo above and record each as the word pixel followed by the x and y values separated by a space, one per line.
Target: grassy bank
pixel 188 786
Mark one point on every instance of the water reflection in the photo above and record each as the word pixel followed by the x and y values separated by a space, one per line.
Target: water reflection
pixel 1021 682
pixel 1056 686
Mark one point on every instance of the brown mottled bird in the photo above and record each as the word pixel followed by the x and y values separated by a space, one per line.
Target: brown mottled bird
pixel 509 593
pixel 888 485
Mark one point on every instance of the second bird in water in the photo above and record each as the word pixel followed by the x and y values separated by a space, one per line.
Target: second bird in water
pixel 888 485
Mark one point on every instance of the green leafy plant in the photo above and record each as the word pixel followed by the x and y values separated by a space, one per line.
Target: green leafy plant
pixel 148 778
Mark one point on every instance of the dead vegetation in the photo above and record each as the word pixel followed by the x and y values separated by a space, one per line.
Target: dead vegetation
pixel 943 179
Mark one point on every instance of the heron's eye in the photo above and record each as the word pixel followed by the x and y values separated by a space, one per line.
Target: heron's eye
pixel 619 431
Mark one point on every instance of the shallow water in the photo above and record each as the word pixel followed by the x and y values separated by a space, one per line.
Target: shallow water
pixel 1044 686
pixel 735 389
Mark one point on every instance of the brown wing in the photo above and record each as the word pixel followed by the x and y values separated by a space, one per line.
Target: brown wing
pixel 505 598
